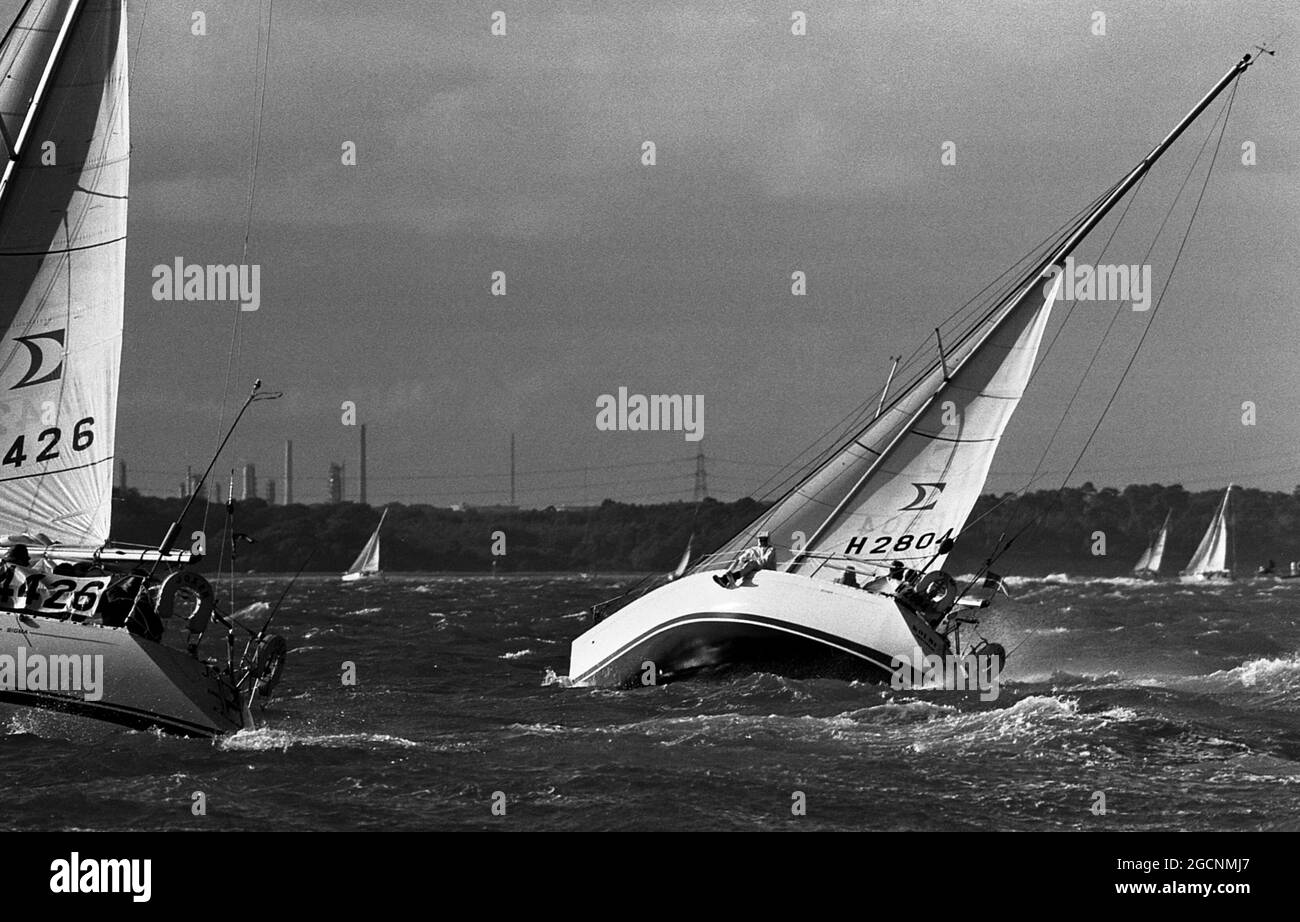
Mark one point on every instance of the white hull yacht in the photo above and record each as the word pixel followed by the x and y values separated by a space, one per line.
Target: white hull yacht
pixel 885 502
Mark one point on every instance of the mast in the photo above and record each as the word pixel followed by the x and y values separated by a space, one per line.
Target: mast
pixel 1056 258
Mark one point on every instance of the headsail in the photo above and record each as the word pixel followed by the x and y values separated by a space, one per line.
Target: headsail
pixel 912 476
pixel 1152 557
pixel 1211 555
pixel 368 560
pixel 63 209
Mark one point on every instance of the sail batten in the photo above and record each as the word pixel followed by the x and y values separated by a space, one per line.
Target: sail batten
pixel 63 213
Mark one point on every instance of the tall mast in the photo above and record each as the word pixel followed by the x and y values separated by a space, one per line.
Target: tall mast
pixel 1027 283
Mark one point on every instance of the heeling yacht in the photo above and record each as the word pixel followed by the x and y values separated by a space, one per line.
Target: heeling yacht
pixel 1210 562
pixel 1148 565
pixel 69 598
pixel 888 501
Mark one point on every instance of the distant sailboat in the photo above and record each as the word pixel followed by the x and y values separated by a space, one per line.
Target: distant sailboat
pixel 1211 558
pixel 685 562
pixel 1148 565
pixel 366 566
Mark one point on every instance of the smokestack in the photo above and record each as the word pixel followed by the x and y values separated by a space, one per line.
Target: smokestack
pixel 361 475
pixel 270 491
pixel 250 481
pixel 512 468
pixel 121 474
pixel 288 472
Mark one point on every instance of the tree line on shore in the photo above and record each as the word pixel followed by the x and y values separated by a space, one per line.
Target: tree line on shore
pixel 1082 529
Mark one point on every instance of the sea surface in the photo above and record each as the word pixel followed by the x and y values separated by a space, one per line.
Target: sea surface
pixel 1180 704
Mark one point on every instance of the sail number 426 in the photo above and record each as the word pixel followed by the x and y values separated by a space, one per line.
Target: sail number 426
pixel 47 443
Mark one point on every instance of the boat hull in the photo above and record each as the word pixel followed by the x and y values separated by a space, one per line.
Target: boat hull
pixel 780 622
pixel 144 684
pixel 361 577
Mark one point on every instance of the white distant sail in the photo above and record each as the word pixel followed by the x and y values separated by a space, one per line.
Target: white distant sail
pixel 1211 557
pixel 684 562
pixel 912 476
pixel 63 202
pixel 367 562
pixel 1151 558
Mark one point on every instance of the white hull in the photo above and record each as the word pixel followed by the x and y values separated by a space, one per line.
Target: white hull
pixel 144 684
pixel 358 577
pixel 1206 578
pixel 784 622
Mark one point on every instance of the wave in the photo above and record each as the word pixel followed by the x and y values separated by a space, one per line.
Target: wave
pixel 267 739
pixel 256 608
pixel 1280 672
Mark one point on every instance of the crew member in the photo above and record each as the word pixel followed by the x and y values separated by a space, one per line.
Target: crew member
pixel 761 556
pixel 850 577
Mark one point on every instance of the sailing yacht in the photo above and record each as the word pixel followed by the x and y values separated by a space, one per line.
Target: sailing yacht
pixel 366 566
pixel 890 497
pixel 68 597
pixel 1210 562
pixel 1148 565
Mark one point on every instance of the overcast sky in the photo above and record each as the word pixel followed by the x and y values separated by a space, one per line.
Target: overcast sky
pixel 776 153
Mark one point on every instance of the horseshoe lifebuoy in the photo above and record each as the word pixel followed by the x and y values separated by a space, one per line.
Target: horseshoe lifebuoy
pixel 938 589
pixel 197 622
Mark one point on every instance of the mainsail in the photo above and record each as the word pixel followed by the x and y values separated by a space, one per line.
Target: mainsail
pixel 1151 558
pixel 368 560
pixel 1211 555
pixel 63 206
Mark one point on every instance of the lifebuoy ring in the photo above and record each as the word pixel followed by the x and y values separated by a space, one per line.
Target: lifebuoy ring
pixel 197 622
pixel 938 589
pixel 990 652
pixel 268 663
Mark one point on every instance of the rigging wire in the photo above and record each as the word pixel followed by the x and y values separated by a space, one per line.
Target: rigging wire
pixel 1222 124
pixel 261 77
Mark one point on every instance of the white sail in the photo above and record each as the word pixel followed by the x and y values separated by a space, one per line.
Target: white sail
pixel 368 560
pixel 684 562
pixel 1155 553
pixel 1211 555
pixel 912 476
pixel 63 204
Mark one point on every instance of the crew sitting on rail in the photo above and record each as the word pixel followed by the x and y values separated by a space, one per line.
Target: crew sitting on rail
pixel 18 580
pixel 759 557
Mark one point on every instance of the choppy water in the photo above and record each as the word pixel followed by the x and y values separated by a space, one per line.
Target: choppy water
pixel 1181 704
